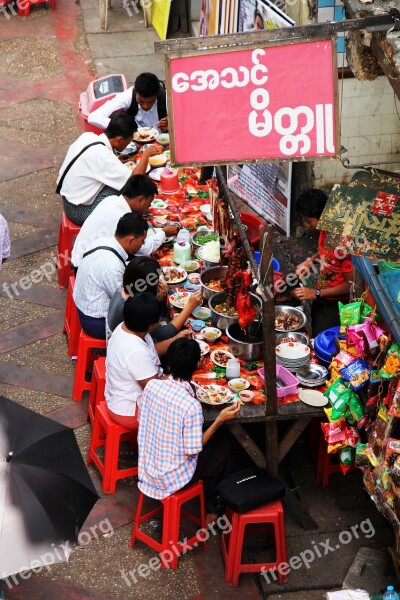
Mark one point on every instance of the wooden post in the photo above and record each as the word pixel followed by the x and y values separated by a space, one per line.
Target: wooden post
pixel 268 316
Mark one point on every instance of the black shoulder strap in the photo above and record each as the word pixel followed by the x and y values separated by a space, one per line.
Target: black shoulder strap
pixel 60 183
pixel 105 248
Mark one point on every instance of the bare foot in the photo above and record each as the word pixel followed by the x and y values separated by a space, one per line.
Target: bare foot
pixel 210 518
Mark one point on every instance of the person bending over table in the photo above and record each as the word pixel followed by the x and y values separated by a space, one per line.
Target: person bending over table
pixel 144 274
pixel 91 171
pixel 173 449
pixel 132 359
pixel 335 273
pixel 137 196
pixel 146 102
pixel 101 271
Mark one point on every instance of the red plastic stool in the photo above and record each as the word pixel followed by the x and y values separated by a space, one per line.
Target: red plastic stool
pixel 172 507
pixel 66 236
pixel 109 434
pixel 24 12
pixel 232 543
pixel 72 325
pixel 83 362
pixel 325 467
pixel 97 387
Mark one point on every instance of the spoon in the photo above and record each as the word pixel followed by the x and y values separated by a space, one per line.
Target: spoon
pixel 199 386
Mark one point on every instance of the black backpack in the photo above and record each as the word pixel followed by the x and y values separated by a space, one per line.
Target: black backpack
pixel 248 489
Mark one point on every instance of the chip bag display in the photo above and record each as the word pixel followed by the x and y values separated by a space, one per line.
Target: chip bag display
pixel 357 373
pixel 391 368
pixel 347 458
pixel 350 314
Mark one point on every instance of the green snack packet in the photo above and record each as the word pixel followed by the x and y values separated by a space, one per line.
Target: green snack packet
pixel 375 376
pixel 347 456
pixel 366 310
pixel 361 459
pixel 350 314
pixel 340 405
pixel 338 387
pixel 355 407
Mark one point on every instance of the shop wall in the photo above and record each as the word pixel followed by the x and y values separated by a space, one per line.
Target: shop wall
pixel 370 130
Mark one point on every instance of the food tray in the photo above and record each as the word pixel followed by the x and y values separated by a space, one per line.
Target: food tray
pixel 286 376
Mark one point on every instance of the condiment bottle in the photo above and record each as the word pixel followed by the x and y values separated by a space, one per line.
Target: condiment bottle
pixel 183 236
pixel 182 252
pixel 232 368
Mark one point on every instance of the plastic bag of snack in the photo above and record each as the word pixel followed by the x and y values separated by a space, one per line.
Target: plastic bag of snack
pixel 391 368
pixel 367 311
pixel 357 373
pixel 350 314
pixel 374 460
pixel 396 472
pixel 356 341
pixel 369 482
pixel 335 435
pixel 394 409
pixel 340 405
pixel 338 387
pixel 361 458
pixel 355 407
pixel 341 360
pixel 347 457
pixel 392 451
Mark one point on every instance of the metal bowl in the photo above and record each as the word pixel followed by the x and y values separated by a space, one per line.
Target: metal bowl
pixel 198 234
pixel 290 310
pixel 222 321
pixel 300 337
pixel 248 351
pixel 208 275
pixel 207 263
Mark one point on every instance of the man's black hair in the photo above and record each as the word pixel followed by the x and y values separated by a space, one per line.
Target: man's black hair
pixel 139 185
pixel 182 358
pixel 311 203
pixel 131 224
pixel 121 124
pixel 142 274
pixel 147 85
pixel 141 311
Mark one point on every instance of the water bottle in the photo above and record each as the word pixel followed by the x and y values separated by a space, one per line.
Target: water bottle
pixel 390 594
pixel 232 369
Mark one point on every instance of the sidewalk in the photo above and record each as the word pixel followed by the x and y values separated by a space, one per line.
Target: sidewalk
pixel 46 61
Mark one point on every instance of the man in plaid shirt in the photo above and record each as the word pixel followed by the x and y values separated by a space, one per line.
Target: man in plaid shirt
pixel 173 449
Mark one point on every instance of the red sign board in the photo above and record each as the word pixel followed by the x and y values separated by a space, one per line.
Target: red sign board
pixel 270 103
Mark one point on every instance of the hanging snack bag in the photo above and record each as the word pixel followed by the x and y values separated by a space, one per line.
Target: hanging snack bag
pixel 356 341
pixel 355 407
pixel 366 311
pixel 335 435
pixel 341 360
pixel 391 367
pixel 340 405
pixel 392 451
pixel 394 409
pixel 347 458
pixel 357 373
pixel 350 314
pixel 361 459
pixel 338 387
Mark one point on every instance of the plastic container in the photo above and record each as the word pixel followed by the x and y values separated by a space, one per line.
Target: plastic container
pixel 232 369
pixel 324 345
pixel 97 93
pixel 183 236
pixel 276 265
pixel 386 267
pixel 253 224
pixel 287 377
pixel 182 252
pixel 390 594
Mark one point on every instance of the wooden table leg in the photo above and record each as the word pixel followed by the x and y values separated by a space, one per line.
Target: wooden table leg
pixel 291 436
pixel 271 451
pixel 248 444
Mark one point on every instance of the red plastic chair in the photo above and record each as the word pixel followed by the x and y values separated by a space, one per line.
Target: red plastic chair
pixel 97 387
pixel 24 12
pixel 66 236
pixel 109 434
pixel 72 325
pixel 172 507
pixel 232 543
pixel 85 358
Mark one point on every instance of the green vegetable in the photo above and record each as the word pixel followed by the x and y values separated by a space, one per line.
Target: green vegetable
pixel 208 237
pixel 202 194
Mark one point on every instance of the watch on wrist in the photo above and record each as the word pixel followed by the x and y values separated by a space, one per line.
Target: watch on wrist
pixel 317 293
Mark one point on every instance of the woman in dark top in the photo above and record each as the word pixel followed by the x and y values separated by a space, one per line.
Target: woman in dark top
pixel 143 274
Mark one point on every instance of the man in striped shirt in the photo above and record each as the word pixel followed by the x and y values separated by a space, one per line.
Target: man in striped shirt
pixel 173 449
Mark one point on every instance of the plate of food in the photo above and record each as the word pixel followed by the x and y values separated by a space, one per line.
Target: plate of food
pixel 173 275
pixel 221 357
pixel 159 160
pixel 204 348
pixel 134 163
pixel 179 299
pixel 157 203
pixel 145 134
pixel 214 395
pixel 238 384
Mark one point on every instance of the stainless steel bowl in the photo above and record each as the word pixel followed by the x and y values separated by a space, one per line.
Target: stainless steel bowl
pixel 246 350
pixel 290 310
pixel 300 337
pixel 208 275
pixel 222 321
pixel 207 263
pixel 198 234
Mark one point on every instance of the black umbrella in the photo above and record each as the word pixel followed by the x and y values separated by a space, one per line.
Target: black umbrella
pixel 46 492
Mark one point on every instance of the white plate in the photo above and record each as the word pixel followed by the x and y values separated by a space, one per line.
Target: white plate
pixel 224 392
pixel 313 398
pixel 204 348
pixel 179 299
pixel 157 203
pixel 180 275
pixel 216 361
pixel 145 134
pixel 156 173
pixel 292 351
pixel 132 164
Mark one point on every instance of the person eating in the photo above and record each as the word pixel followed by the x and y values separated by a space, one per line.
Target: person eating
pixel 91 171
pixel 146 102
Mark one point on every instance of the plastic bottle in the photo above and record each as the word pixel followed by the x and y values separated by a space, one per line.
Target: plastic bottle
pixel 232 368
pixel 183 236
pixel 390 594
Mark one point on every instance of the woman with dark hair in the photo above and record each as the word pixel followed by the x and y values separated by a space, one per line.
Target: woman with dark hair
pixel 143 274
pixel 132 359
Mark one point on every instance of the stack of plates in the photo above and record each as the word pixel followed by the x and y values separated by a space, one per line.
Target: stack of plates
pixel 312 375
pixel 292 355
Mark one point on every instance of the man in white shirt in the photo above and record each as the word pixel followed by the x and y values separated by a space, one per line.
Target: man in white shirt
pixel 101 271
pixel 145 101
pixel 4 240
pixel 136 195
pixel 91 171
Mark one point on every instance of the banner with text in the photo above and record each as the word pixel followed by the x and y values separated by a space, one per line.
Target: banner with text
pixel 272 103
pixel 266 189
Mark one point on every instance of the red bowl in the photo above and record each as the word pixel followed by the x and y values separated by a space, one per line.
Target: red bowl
pixel 253 224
